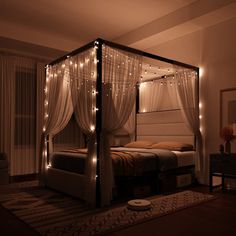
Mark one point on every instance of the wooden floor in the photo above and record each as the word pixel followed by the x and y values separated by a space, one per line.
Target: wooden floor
pixel 217 217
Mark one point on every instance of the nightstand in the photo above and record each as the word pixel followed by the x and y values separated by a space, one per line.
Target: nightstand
pixel 223 165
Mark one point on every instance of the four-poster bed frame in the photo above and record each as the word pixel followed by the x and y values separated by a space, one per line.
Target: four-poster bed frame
pixel 98 43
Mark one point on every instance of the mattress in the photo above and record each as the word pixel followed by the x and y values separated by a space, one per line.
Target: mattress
pixel 126 161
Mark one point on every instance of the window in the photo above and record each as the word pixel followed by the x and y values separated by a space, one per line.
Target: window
pixel 25 106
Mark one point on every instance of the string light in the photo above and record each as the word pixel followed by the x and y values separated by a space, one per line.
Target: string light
pixel 92 128
pixel 94 160
pixel 49 166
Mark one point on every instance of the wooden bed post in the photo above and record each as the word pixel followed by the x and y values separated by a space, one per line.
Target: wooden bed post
pixel 197 102
pixel 136 108
pixel 98 44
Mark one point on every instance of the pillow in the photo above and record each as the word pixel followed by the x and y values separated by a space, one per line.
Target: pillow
pixel 173 146
pixel 139 144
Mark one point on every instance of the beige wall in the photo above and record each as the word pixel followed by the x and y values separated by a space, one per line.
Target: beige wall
pixel 214 50
pixel 17 47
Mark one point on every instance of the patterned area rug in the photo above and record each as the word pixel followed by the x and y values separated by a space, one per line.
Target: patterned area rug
pixel 52 214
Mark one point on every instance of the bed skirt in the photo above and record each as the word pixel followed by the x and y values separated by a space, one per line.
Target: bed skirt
pixel 66 182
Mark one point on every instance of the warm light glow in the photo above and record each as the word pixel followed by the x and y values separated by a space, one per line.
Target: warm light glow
pixel 200 105
pixel 200 129
pixel 94 160
pixel 94 92
pixel 92 127
pixel 81 65
pixel 44 129
pixel 142 85
pixel 144 110
pixel 63 66
pixel 49 166
pixel 201 72
pixel 200 117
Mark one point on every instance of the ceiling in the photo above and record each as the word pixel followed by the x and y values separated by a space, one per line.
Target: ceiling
pixel 142 24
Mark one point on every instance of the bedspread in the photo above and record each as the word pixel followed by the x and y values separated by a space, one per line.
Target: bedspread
pixel 126 161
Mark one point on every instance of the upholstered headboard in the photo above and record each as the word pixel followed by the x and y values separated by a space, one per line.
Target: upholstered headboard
pixel 163 126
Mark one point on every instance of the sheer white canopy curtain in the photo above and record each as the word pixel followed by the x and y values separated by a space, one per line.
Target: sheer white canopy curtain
pixel 120 73
pixel 20 116
pixel 58 105
pixel 177 91
pixel 187 92
pixel 83 77
pixel 157 95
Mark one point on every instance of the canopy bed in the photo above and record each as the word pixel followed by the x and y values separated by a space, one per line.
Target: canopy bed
pixel 113 89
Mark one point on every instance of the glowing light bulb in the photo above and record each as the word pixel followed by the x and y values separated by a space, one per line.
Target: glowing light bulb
pixel 49 166
pixel 94 160
pixel 92 127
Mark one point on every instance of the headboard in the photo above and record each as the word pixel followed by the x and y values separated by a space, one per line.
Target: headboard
pixel 163 126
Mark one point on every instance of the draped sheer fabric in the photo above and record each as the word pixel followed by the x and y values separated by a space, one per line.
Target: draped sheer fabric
pixel 187 93
pixel 6 106
pixel 157 95
pixel 58 104
pixel 120 73
pixel 20 115
pixel 83 91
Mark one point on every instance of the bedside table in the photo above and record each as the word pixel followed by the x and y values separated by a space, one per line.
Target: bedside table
pixel 223 165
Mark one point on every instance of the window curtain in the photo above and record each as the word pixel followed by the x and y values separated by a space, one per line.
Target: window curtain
pixel 20 120
pixel 186 85
pixel 83 90
pixel 120 73
pixel 6 106
pixel 58 105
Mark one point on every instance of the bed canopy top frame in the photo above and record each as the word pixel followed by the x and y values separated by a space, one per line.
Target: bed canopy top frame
pixel 97 45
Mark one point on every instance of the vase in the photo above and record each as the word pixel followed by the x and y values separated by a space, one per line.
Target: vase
pixel 228 147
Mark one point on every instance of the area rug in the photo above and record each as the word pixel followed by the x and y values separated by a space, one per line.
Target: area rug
pixel 52 214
